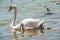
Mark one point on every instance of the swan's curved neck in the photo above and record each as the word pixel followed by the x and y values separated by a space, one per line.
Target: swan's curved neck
pixel 15 14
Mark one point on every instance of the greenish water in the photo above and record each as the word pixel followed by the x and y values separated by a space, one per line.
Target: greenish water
pixel 30 9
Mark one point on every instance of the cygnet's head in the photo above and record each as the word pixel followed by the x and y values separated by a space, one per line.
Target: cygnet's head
pixel 47 28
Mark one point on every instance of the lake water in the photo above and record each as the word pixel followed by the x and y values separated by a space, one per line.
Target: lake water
pixel 30 9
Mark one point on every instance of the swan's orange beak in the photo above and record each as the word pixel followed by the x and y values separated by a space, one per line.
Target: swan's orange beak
pixel 10 8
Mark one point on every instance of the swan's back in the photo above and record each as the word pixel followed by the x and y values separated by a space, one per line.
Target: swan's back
pixel 29 22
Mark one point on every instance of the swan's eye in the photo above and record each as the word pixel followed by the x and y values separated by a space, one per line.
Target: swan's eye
pixel 10 8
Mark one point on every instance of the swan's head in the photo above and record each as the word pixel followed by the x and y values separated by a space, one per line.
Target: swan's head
pixel 47 28
pixel 13 6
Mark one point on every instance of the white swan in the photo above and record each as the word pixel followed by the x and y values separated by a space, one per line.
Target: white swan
pixel 26 24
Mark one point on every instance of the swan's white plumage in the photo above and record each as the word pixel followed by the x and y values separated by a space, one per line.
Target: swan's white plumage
pixel 30 22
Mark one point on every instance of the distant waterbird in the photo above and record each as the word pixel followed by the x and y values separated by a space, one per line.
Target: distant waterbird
pixel 56 2
pixel 47 9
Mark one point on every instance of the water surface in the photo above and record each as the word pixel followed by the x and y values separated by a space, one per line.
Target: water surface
pixel 30 9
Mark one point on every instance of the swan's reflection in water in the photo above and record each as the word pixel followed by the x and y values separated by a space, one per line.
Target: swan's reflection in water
pixel 35 31
pixel 31 33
